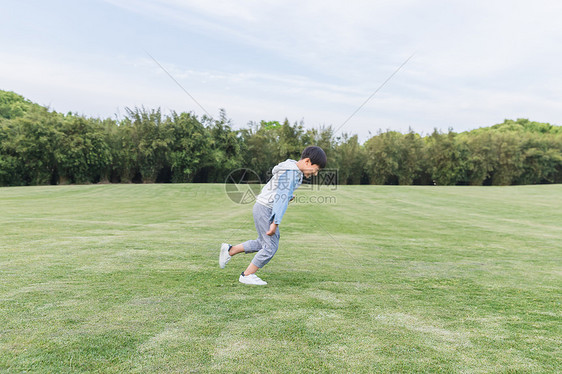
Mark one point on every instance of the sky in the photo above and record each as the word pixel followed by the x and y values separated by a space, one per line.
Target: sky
pixel 447 64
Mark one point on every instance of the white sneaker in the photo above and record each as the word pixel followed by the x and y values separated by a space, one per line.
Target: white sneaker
pixel 251 279
pixel 224 257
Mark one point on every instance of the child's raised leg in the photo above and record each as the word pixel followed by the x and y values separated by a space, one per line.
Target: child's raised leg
pixel 235 249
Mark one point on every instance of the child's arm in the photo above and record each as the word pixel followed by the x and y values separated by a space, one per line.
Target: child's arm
pixel 284 193
pixel 273 226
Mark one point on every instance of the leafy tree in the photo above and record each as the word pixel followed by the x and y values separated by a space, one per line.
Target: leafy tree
pixel 189 147
pixel 395 158
pixel 9 162
pixel 32 147
pixel 82 154
pixel 448 158
pixel 290 143
pixel 542 159
pixel 349 160
pixel 118 170
pixel 261 147
pixel 148 142
pixel 224 153
pixel 410 158
pixel 508 158
pixel 13 105
pixel 39 146
pixel 481 158
pixel 524 125
pixel 383 157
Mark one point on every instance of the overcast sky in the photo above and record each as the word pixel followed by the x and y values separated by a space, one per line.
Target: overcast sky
pixel 473 63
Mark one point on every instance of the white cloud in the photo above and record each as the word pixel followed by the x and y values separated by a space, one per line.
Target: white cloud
pixel 476 62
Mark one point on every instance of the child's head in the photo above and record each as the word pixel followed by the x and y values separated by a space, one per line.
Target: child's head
pixel 312 159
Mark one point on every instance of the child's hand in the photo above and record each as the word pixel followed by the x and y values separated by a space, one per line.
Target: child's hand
pixel 272 229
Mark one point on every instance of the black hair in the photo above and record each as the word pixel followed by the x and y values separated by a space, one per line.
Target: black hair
pixel 316 155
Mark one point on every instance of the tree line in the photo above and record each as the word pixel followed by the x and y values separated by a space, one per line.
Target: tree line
pixel 39 146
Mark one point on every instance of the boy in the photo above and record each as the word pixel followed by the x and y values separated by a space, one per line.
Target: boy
pixel 269 209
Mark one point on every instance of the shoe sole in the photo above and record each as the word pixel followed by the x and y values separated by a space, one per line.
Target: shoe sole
pixel 253 284
pixel 221 265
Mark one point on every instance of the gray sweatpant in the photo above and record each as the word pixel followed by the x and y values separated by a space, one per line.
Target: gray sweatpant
pixel 265 245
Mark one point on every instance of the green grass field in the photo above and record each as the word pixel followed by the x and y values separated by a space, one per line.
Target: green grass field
pixel 124 278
